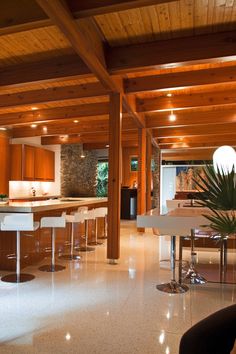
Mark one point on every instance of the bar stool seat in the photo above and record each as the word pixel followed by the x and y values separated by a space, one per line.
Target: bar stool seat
pixel 18 222
pixel 53 222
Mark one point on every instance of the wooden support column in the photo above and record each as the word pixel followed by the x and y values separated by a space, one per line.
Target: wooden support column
pixel 114 179
pixel 149 173
pixel 141 173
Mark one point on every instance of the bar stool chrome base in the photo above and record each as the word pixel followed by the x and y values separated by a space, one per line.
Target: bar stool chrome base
pixel 85 249
pixel 95 243
pixel 172 287
pixel 70 257
pixel 51 268
pixel 17 278
pixel 193 277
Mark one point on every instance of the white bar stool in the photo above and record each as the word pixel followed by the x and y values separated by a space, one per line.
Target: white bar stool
pixel 74 218
pixel 18 222
pixel 86 217
pixel 98 213
pixel 53 222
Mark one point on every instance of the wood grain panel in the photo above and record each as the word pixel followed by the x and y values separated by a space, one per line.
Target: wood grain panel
pixel 142 148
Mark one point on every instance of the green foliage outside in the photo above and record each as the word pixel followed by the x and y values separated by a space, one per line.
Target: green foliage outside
pixel 102 179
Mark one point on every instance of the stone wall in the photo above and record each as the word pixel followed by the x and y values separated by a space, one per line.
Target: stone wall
pixel 156 177
pixel 78 175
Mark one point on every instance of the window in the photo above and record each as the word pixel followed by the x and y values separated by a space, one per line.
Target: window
pixel 102 178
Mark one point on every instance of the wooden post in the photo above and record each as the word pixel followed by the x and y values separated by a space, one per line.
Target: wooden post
pixel 141 173
pixel 149 173
pixel 114 179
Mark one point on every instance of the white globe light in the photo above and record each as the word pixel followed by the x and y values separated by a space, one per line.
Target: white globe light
pixel 224 158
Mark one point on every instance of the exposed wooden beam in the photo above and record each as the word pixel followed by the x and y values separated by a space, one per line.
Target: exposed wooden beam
pixel 87 138
pixel 142 149
pixel 172 53
pixel 129 105
pixel 203 140
pixel 179 80
pixel 184 118
pixel 55 69
pixel 63 127
pixel 53 94
pixel 198 154
pixel 186 101
pixel 35 18
pixel 114 178
pixel 80 36
pixel 83 112
pixel 222 129
pixel 98 146
pixel 183 146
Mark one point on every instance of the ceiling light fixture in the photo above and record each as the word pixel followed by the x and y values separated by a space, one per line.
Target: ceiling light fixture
pixel 34 108
pixel 172 117
pixel 169 94
pixel 107 146
pixel 3 128
pixel 82 155
pixel 33 125
pixel 76 121
pixel 45 129
pixel 224 159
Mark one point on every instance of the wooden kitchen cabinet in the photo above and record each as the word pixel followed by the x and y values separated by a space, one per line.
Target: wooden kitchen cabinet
pixel 30 163
pixel 44 165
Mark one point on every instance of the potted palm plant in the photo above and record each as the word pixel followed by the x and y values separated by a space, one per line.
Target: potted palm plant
pixel 218 193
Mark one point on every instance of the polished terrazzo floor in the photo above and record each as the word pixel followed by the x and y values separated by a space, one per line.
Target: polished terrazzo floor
pixel 94 307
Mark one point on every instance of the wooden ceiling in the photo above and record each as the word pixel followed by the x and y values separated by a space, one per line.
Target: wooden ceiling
pixel 59 61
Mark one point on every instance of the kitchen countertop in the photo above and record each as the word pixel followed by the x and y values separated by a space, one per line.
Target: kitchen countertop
pixel 45 196
pixel 45 205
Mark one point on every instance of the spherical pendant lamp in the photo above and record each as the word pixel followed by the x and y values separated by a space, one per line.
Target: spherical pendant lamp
pixel 225 159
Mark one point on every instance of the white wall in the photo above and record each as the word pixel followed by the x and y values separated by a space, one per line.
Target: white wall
pixel 19 189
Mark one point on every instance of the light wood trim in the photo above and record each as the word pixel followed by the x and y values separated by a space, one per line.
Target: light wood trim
pixel 179 51
pixel 114 180
pixel 141 207
pixel 181 79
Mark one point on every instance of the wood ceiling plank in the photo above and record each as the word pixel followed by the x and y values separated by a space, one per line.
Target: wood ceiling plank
pixel 186 101
pixel 181 79
pixel 198 154
pixel 183 146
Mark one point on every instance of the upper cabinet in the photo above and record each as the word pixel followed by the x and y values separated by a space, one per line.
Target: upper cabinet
pixel 30 163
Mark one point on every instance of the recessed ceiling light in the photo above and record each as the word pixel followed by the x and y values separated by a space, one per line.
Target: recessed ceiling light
pixel 169 94
pixel 45 129
pixel 172 117
pixel 34 108
pixel 107 146
pixel 76 121
pixel 3 128
pixel 33 125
